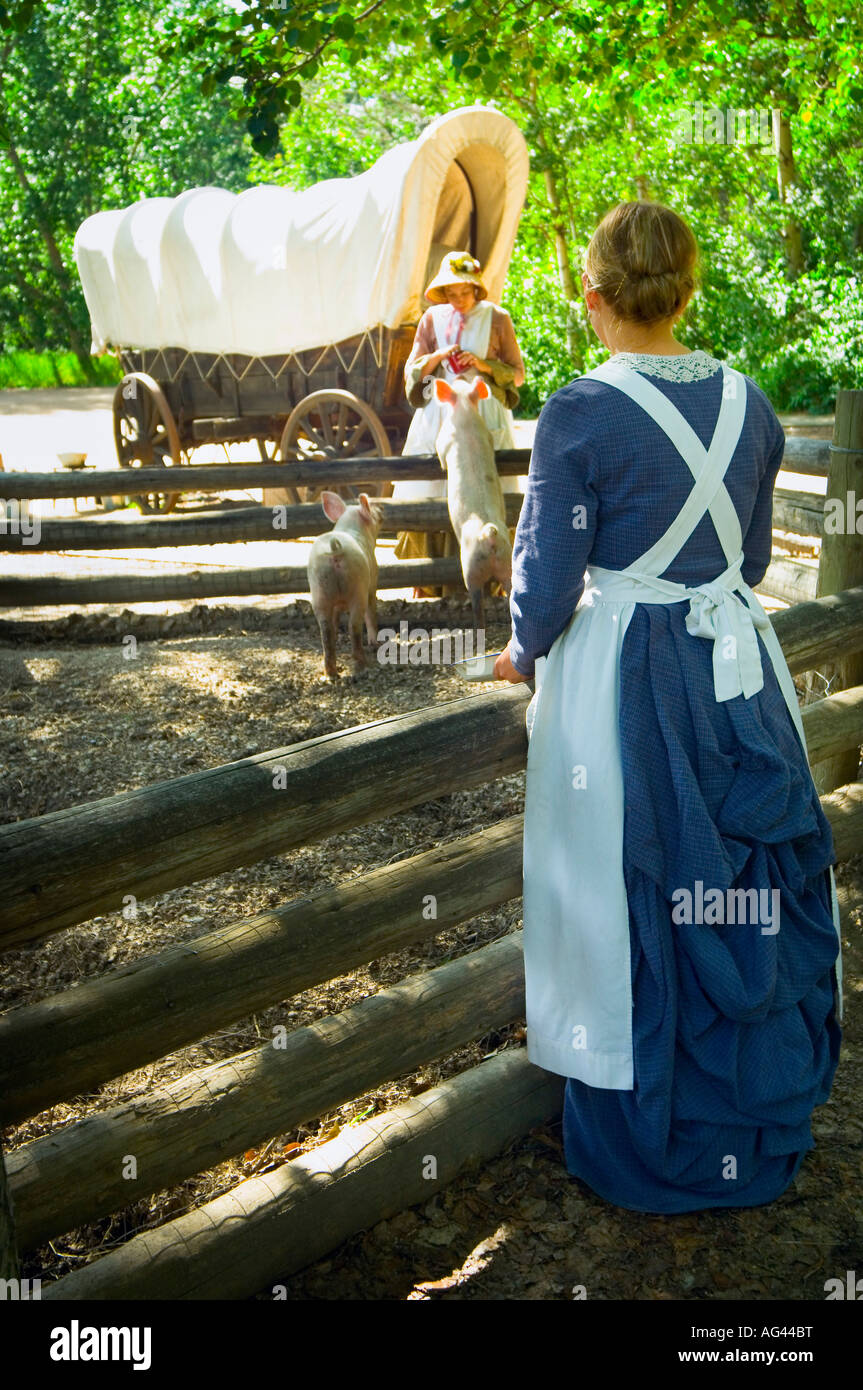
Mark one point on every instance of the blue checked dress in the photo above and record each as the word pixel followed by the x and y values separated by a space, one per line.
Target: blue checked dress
pixel 695 1053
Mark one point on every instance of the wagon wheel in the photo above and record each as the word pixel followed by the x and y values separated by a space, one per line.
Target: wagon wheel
pixel 145 434
pixel 290 492
pixel 335 425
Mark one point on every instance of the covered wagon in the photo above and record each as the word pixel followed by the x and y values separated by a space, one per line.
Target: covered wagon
pixel 286 317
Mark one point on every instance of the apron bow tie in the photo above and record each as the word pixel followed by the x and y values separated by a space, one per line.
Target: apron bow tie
pixel 717 612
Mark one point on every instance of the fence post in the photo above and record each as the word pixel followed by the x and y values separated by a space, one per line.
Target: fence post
pixel 841 562
pixel 8 1245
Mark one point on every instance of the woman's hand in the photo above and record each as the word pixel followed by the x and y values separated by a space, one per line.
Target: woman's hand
pixel 505 671
pixel 470 359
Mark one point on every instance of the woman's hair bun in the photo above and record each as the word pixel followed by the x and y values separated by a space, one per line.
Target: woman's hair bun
pixel 642 259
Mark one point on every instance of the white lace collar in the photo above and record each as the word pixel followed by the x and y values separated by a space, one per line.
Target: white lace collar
pixel 684 366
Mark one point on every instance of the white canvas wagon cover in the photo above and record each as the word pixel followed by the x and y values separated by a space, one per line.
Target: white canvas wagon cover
pixel 271 270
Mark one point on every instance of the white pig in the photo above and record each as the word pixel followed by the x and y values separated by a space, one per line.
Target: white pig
pixel 474 494
pixel 343 575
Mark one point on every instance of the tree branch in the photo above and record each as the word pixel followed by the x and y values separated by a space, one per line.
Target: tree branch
pixel 330 38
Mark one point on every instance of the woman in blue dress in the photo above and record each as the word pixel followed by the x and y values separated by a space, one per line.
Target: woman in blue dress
pixel 680 917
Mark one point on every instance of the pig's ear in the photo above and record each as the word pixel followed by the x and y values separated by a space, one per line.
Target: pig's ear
pixel 480 391
pixel 444 391
pixel 332 504
pixel 370 512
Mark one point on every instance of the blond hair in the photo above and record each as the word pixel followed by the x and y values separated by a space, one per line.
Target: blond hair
pixel 642 259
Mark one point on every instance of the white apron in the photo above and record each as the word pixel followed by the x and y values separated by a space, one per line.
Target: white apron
pixel 576 915
pixel 425 425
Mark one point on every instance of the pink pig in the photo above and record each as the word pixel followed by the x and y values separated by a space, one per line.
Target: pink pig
pixel 343 575
pixel 474 494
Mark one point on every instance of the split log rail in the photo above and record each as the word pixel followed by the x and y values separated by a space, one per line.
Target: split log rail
pixel 64 867
pixel 788 579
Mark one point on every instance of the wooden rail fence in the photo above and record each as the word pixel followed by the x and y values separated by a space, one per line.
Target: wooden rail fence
pixel 66 866
pixel 787 578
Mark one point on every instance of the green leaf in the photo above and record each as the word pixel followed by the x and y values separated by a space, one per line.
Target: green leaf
pixel 22 18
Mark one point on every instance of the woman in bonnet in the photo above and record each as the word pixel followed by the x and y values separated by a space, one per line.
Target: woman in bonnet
pixel 462 334
pixel 680 920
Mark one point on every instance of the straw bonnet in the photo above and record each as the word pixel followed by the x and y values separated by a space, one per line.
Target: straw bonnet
pixel 456 268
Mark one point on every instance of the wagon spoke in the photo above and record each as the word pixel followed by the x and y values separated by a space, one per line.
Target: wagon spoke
pixel 350 445
pixel 313 437
pixel 150 414
pixel 346 423
pixel 341 424
pixel 327 427
pixel 145 433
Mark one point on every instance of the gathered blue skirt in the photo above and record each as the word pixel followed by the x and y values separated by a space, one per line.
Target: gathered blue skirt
pixel 735 1034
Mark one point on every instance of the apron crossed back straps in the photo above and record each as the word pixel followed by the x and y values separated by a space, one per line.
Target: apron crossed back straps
pixel 720 609
pixel 576 913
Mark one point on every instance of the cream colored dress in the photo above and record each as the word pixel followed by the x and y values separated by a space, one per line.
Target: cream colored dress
pixel 425 426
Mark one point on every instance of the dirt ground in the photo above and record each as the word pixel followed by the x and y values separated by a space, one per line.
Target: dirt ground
pixel 212 683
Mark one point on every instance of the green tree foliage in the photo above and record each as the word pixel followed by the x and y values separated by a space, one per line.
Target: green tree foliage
pixel 104 100
pixel 90 117
pixel 602 117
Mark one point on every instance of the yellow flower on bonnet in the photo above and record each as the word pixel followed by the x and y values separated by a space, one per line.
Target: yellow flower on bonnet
pixel 457 267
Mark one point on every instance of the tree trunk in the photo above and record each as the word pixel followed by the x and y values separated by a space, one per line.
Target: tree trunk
pixel 56 260
pixel 786 177
pixel 559 220
pixel 564 268
pixel 642 183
